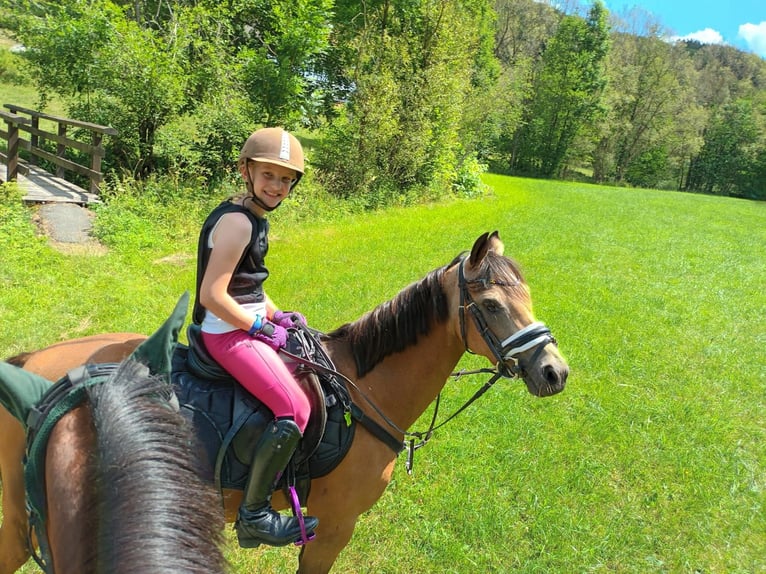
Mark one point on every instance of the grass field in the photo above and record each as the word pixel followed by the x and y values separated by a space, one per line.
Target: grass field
pixel 652 460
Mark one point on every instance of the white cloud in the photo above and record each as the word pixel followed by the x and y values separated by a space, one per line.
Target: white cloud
pixel 706 36
pixel 755 36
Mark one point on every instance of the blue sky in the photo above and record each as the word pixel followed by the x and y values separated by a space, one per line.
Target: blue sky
pixel 738 23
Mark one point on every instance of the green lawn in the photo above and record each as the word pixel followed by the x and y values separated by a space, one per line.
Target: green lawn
pixel 652 460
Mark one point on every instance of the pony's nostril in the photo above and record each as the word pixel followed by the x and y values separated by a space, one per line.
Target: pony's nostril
pixel 552 376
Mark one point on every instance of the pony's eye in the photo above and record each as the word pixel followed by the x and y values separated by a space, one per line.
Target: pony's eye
pixel 491 306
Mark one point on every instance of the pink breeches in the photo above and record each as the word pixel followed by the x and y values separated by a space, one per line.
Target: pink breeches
pixel 258 368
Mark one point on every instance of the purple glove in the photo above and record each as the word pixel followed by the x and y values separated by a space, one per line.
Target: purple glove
pixel 289 319
pixel 275 336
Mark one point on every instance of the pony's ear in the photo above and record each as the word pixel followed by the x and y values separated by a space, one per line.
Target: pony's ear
pixel 157 351
pixel 484 244
pixel 479 249
pixel 20 390
pixel 495 244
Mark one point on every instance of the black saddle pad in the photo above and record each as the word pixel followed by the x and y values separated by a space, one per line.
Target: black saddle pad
pixel 228 421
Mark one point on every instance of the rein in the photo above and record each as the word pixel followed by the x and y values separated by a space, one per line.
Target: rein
pixel 426 436
pixel 354 412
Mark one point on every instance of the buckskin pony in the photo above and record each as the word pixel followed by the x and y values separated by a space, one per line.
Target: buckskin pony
pixel 395 358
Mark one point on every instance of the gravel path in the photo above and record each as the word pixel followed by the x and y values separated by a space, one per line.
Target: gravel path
pixel 66 222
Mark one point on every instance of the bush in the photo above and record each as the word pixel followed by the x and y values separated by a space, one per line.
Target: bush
pixel 468 182
pixel 153 213
pixel 309 200
pixel 177 153
pixel 221 131
pixel 10 70
pixel 649 169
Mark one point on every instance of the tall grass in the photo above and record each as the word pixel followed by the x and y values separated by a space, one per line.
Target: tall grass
pixel 652 460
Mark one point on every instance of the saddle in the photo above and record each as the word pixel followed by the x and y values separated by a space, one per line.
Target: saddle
pixel 228 420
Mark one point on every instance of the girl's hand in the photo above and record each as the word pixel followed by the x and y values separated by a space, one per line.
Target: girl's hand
pixel 289 319
pixel 275 336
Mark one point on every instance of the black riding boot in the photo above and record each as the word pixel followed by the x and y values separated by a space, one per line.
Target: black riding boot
pixel 257 522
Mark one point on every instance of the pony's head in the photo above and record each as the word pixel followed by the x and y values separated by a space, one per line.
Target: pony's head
pixel 496 318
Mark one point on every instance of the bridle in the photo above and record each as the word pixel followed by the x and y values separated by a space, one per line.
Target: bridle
pixel 534 336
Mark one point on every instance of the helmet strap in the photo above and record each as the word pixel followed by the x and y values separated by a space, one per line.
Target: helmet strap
pixel 257 201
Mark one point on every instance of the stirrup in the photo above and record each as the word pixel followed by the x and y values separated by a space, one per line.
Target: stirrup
pixel 298 513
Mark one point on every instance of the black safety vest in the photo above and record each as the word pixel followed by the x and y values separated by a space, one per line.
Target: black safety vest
pixel 246 285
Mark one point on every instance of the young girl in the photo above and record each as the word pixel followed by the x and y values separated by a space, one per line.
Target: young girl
pixel 243 330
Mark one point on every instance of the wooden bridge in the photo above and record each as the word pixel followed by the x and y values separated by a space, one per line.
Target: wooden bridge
pixel 38 184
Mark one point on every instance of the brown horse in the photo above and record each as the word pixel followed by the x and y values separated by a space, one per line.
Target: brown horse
pixel 51 363
pixel 398 356
pixel 112 476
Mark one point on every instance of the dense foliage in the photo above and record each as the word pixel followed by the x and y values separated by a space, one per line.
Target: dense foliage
pixel 404 100
pixel 566 93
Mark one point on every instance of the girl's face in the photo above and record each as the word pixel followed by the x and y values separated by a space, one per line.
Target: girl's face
pixel 271 183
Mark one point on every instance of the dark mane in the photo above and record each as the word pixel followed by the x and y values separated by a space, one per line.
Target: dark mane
pixel 155 514
pixel 18 360
pixel 396 324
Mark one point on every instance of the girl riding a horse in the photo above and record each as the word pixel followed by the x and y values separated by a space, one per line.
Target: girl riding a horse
pixel 243 330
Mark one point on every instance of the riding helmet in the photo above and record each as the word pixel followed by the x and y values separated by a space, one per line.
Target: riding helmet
pixel 274 145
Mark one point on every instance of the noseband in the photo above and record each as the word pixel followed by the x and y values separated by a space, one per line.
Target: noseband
pixel 533 336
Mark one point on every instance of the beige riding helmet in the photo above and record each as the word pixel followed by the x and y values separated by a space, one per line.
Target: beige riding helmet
pixel 274 145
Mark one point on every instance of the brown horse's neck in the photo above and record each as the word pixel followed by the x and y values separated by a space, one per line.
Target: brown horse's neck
pixel 403 384
pixel 401 353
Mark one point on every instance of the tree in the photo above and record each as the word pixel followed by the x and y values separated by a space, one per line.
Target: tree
pixel 732 153
pixel 725 73
pixel 110 71
pixel 566 94
pixel 412 69
pixel 276 45
pixel 522 31
pixel 523 28
pixel 653 103
pixel 652 123
pixel 139 65
pixel 753 185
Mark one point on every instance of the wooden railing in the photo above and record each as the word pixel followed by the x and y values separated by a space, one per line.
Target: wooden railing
pixel 20 120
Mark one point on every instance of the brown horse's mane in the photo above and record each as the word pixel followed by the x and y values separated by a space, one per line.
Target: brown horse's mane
pixel 148 494
pixel 396 324
pixel 18 360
